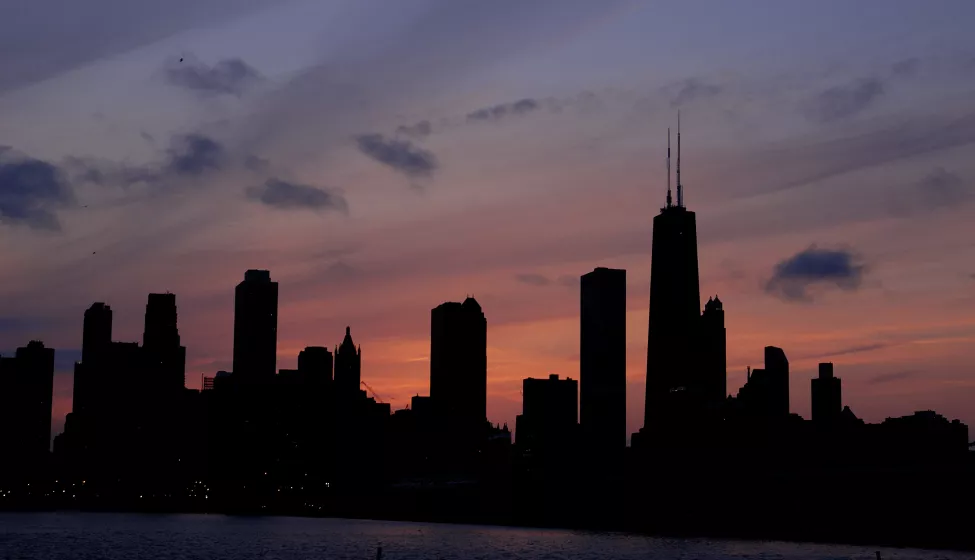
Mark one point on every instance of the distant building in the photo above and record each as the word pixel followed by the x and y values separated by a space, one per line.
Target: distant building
pixel 766 392
pixel 165 357
pixel 675 392
pixel 26 395
pixel 827 401
pixel 548 411
pixel 256 326
pixel 315 364
pixel 458 363
pixel 96 345
pixel 713 364
pixel 602 358
pixel 348 367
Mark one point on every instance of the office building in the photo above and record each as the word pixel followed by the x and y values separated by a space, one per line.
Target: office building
pixel 255 326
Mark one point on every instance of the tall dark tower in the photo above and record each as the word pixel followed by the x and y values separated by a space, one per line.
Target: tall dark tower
pixel 26 395
pixel 165 357
pixel 827 396
pixel 713 356
pixel 348 366
pixel 458 362
pixel 97 336
pixel 256 326
pixel 675 308
pixel 315 364
pixel 602 358
pixel 96 344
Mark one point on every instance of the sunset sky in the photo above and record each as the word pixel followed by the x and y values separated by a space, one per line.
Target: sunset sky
pixel 381 157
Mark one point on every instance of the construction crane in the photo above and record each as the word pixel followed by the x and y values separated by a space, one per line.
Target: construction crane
pixel 375 395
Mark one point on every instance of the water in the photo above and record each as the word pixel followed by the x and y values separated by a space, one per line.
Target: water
pixel 92 536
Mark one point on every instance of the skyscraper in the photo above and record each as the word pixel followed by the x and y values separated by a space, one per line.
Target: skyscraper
pixel 713 365
pixel 777 366
pixel 256 326
pixel 602 353
pixel 827 396
pixel 675 308
pixel 548 415
pixel 348 366
pixel 26 395
pixel 315 364
pixel 96 345
pixel 458 362
pixel 165 358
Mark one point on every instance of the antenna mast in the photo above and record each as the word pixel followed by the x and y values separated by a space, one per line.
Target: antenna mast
pixel 680 188
pixel 668 169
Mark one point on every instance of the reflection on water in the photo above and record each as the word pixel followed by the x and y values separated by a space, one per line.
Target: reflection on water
pixel 88 536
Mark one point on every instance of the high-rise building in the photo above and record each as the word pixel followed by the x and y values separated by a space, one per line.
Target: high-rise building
pixel 713 364
pixel 26 396
pixel 97 336
pixel 256 326
pixel 602 358
pixel 827 398
pixel 458 362
pixel 315 364
pixel 777 366
pixel 766 391
pixel 675 309
pixel 550 404
pixel 165 358
pixel 348 366
pixel 96 344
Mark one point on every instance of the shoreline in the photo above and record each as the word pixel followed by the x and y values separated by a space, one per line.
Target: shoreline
pixel 800 536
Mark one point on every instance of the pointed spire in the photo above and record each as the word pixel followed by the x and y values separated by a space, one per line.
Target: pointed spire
pixel 669 200
pixel 680 187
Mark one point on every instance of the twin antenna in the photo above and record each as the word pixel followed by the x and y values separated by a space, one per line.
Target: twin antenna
pixel 680 188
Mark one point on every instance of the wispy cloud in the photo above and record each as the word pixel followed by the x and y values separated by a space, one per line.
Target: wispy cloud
pixel 533 279
pixel 421 129
pixel 691 90
pixel 498 112
pixel 231 76
pixel 892 377
pixel 841 102
pixel 400 155
pixel 291 196
pixel 793 277
pixel 32 191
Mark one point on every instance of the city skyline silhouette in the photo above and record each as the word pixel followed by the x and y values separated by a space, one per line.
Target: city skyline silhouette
pixel 697 269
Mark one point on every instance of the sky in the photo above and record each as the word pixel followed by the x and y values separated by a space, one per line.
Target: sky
pixel 380 158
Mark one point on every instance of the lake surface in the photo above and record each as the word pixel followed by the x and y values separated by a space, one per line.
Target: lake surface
pixel 94 536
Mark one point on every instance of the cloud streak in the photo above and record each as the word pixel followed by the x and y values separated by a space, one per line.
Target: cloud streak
pixel 504 110
pixel 400 155
pixel 793 277
pixel 842 102
pixel 231 76
pixel 284 195
pixel 32 191
pixel 690 90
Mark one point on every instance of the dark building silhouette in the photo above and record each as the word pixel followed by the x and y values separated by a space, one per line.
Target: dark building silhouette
pixel 713 357
pixel 458 363
pixel 675 392
pixel 255 326
pixel 165 358
pixel 548 410
pixel 348 367
pixel 95 353
pixel 827 399
pixel 602 359
pixel 766 391
pixel 315 363
pixel 546 444
pixel 26 393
